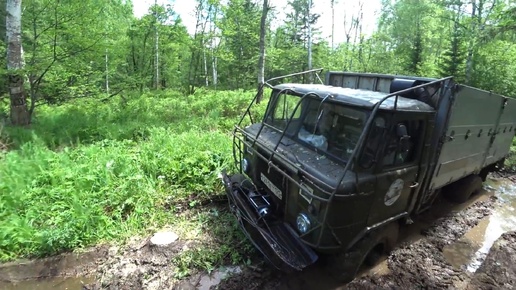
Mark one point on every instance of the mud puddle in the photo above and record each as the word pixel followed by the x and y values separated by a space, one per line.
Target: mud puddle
pixel 70 283
pixel 470 251
pixel 60 272
pixel 214 279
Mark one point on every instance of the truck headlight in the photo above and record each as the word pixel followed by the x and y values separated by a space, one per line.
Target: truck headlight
pixel 303 223
pixel 245 165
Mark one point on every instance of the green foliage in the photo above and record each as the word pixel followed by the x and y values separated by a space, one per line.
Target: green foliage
pixel 93 170
pixel 141 47
pixel 453 59
pixel 496 67
pixel 510 162
pixel 89 171
pixel 115 50
pixel 240 28
pixel 62 64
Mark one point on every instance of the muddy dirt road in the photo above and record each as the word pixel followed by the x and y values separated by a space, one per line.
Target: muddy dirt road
pixel 470 246
pixel 442 249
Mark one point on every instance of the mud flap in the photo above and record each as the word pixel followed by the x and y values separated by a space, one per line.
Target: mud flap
pixel 276 240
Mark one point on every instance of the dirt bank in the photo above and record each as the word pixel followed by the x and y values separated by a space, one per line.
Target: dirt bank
pixel 499 269
pixel 139 265
pixel 64 265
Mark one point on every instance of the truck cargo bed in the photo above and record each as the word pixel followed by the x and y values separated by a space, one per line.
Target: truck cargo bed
pixel 479 132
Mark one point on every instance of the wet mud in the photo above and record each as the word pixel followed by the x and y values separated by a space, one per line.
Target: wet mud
pixel 469 246
pixel 499 268
pixel 417 262
pixel 443 249
pixel 139 265
pixel 64 271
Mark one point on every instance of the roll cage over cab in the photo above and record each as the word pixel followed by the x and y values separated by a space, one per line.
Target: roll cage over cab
pixel 333 168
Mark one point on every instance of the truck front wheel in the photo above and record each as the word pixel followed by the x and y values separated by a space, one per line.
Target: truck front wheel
pixel 366 252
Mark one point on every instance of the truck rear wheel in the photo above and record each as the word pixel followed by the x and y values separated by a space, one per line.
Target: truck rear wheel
pixel 366 252
pixel 461 190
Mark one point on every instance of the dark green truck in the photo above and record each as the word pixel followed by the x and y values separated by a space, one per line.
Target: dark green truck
pixel 334 169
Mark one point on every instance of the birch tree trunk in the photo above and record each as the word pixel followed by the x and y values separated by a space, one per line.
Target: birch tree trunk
pixel 205 60
pixel 471 45
pixel 214 70
pixel 156 43
pixel 309 25
pixel 261 58
pixel 213 48
pixel 107 72
pixel 332 24
pixel 19 113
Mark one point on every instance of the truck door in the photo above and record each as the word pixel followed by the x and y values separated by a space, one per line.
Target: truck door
pixel 397 168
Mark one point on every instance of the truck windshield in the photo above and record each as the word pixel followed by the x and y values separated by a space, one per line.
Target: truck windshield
pixel 326 126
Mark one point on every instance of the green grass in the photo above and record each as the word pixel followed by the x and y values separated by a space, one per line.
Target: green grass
pixel 90 172
pixel 510 162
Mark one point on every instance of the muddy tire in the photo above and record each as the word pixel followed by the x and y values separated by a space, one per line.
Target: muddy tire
pixel 461 190
pixel 366 252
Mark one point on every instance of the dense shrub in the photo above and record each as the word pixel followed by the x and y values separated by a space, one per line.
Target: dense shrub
pixel 91 171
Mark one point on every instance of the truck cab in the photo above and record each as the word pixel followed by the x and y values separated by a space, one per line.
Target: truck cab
pixel 333 169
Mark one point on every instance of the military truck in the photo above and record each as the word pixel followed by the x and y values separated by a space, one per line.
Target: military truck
pixel 333 169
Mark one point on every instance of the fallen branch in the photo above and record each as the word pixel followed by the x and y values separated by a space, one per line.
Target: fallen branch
pixel 112 95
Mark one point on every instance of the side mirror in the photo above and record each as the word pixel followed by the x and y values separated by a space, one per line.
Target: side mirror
pixel 401 131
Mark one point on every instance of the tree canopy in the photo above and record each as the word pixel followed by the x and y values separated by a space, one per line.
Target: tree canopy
pixel 75 49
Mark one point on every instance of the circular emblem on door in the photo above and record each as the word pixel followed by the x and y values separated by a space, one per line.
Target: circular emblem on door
pixel 394 192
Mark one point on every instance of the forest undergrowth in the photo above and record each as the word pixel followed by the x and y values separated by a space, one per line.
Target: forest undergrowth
pixel 91 172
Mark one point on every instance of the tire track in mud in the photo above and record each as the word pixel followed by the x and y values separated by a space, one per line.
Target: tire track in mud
pixel 422 264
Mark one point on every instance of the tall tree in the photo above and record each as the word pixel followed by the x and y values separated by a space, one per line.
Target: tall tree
pixel 214 43
pixel 416 57
pixel 239 39
pixel 309 41
pixel 261 58
pixel 296 37
pixel 198 58
pixel 156 44
pixel 471 45
pixel 332 3
pixel 19 112
pixel 452 63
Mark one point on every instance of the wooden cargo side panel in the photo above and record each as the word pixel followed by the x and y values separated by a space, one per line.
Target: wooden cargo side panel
pixel 365 81
pixel 504 134
pixel 466 142
pixel 362 82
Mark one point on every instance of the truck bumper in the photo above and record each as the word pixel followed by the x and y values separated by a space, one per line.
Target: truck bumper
pixel 275 239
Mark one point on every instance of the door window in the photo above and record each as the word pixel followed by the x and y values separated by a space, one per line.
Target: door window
pixel 401 143
pixel 372 145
